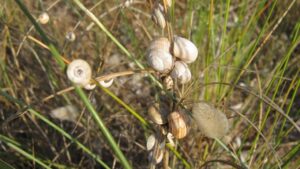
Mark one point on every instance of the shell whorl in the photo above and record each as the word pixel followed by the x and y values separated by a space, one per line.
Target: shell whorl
pixel 184 49
pixel 79 72
pixel 181 72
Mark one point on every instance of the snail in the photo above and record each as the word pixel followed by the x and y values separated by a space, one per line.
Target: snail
pixel 158 16
pixel 168 82
pixel 160 60
pixel 160 43
pixel 43 18
pixel 156 156
pixel 102 83
pixel 151 140
pixel 70 36
pixel 158 113
pixel 212 122
pixel 184 49
pixel 181 72
pixel 178 124
pixel 79 72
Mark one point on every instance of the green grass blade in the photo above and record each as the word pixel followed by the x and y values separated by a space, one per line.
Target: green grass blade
pixel 5 165
pixel 7 141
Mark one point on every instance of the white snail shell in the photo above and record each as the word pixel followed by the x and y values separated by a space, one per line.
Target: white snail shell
pixel 159 17
pixel 90 86
pixel 151 140
pixel 184 49
pixel 181 72
pixel 168 82
pixel 212 122
pixel 160 60
pixel 79 72
pixel 43 18
pixel 160 43
pixel 70 36
pixel 156 156
pixel 106 84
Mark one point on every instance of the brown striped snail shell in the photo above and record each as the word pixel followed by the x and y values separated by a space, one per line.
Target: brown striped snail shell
pixel 158 113
pixel 178 124
pixel 184 49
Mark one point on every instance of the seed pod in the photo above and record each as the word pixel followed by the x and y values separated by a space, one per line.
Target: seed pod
pixel 178 124
pixel 151 140
pixel 79 72
pixel 160 43
pixel 158 113
pixel 158 16
pixel 181 72
pixel 184 49
pixel 212 122
pixel 43 18
pixel 160 60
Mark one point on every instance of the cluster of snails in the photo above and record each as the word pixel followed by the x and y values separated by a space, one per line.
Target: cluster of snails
pixel 172 57
pixel 171 124
pixel 79 72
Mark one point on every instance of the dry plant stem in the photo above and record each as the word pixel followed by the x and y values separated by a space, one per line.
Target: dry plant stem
pixel 100 78
pixel 166 159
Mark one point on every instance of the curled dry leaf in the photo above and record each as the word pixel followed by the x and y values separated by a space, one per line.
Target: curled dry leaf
pixel 212 122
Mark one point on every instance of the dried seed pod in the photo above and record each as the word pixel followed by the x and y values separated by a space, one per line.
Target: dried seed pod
pixel 158 16
pixel 43 18
pixel 79 72
pixel 158 113
pixel 160 43
pixel 151 140
pixel 178 124
pixel 181 72
pixel 70 36
pixel 184 49
pixel 212 122
pixel 168 82
pixel 160 60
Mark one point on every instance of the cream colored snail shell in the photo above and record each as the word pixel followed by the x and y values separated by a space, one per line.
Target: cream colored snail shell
pixel 79 72
pixel 178 124
pixel 158 16
pixel 181 72
pixel 158 113
pixel 168 82
pixel 184 49
pixel 160 60
pixel 160 43
pixel 156 156
pixel 70 36
pixel 151 140
pixel 43 18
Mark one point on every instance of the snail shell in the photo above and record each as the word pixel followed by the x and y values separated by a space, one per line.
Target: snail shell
pixel 181 72
pixel 158 16
pixel 156 156
pixel 184 49
pixel 158 113
pixel 160 60
pixel 151 140
pixel 43 18
pixel 70 36
pixel 212 122
pixel 178 124
pixel 160 43
pixel 168 82
pixel 79 72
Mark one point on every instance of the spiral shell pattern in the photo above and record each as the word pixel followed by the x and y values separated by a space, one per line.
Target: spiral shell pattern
pixel 79 72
